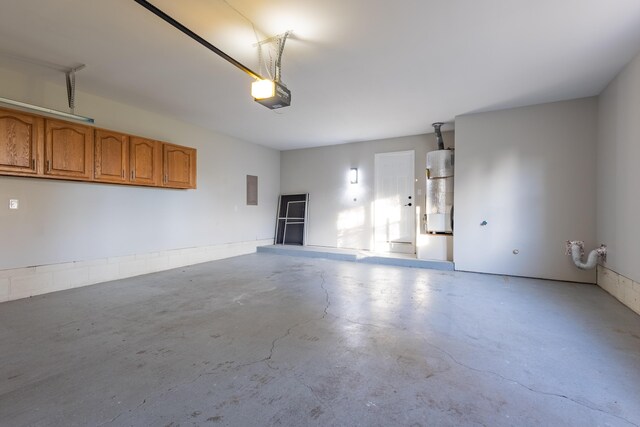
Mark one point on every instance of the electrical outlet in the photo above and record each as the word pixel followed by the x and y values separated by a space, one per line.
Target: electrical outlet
pixel 13 203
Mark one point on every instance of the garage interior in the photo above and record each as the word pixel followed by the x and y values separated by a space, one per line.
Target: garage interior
pixel 180 250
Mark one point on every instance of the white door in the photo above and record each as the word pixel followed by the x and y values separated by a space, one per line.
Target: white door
pixel 394 204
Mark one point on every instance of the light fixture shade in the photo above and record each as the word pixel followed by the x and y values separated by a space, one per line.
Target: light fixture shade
pixel 353 176
pixel 261 89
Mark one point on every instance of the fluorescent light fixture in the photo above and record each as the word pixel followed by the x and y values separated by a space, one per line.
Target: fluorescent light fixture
pixel 262 89
pixel 45 110
pixel 353 176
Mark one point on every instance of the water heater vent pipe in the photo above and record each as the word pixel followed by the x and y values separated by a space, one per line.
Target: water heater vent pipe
pixel 436 127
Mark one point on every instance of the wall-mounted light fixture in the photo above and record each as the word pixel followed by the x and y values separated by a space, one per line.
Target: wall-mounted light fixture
pixel 353 176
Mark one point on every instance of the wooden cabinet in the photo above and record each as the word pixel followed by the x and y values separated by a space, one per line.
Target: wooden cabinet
pixel 31 145
pixel 21 139
pixel 179 166
pixel 145 159
pixel 111 156
pixel 68 150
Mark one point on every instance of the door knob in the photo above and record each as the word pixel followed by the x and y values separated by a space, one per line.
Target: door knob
pixel 409 204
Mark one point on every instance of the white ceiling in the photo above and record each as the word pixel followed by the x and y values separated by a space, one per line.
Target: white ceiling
pixel 358 69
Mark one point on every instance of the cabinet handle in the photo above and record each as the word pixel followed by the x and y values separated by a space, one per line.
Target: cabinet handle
pixel 48 165
pixel 33 164
pixel 165 178
pixel 132 175
pixel 123 173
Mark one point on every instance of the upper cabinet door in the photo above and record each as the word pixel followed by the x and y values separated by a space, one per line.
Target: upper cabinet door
pixel 68 150
pixel 145 161
pixel 111 156
pixel 21 137
pixel 179 166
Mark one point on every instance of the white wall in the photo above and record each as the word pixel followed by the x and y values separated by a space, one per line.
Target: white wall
pixel 530 173
pixel 335 219
pixel 72 221
pixel 618 204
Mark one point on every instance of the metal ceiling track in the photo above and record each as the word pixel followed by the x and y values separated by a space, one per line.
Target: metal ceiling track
pixel 162 15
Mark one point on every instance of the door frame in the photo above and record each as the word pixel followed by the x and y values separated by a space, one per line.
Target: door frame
pixel 376 243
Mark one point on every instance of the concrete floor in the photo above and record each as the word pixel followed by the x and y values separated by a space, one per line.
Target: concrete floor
pixel 272 340
pixel 357 255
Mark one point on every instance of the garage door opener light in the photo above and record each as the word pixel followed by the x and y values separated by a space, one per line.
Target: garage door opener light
pixel 278 97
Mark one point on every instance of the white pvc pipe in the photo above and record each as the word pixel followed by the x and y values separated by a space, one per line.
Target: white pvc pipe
pixel 576 249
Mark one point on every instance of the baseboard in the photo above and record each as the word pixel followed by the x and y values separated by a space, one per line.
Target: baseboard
pixel 26 282
pixel 622 288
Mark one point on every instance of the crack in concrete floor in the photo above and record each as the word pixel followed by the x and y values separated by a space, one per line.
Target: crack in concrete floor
pixel 243 365
pixel 449 355
pixel 326 283
pixel 453 359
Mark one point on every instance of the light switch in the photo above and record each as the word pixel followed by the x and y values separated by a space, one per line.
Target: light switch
pixel 13 203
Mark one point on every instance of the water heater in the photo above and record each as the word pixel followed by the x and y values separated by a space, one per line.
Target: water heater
pixel 440 166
